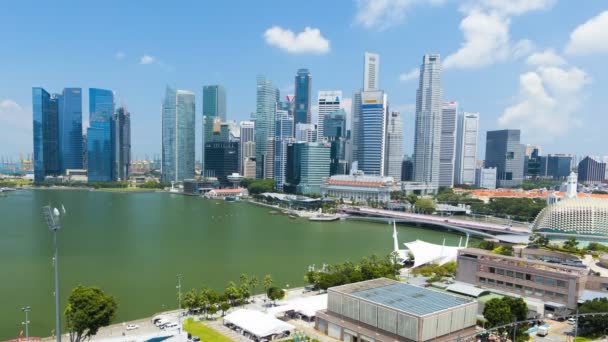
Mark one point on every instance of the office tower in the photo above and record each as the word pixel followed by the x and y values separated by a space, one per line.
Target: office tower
pixel 591 171
pixel 355 124
pixel 334 128
pixel 531 148
pixel 214 110
pixel 557 166
pixel 485 178
pixel 533 163
pixel 70 129
pixel 121 144
pixel 407 170
pixel 447 147
pixel 466 148
pixel 328 102
pixel 178 135
pixel 249 168
pixel 305 132
pixel 99 135
pixel 266 99
pixel 269 159
pixel 303 85
pixel 372 132
pixel 45 133
pixel 427 137
pixel 221 160
pixel 283 137
pixel 307 167
pixel 505 152
pixel 394 146
pixel 247 146
pixel 371 72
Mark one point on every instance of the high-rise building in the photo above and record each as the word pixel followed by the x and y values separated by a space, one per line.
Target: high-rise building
pixel 303 86
pixel 485 178
pixel 371 72
pixel 328 102
pixel 121 144
pixel 269 159
pixel 266 100
pixel 214 101
pixel 305 132
pixel 249 168
pixel 221 160
pixel 247 146
pixel 372 132
pixel 466 148
pixel 99 135
pixel 407 170
pixel 307 167
pixel 591 171
pixel 533 163
pixel 394 146
pixel 427 137
pixel 557 166
pixel 283 136
pixel 447 149
pixel 70 129
pixel 178 135
pixel 45 114
pixel 334 128
pixel 505 152
pixel 355 125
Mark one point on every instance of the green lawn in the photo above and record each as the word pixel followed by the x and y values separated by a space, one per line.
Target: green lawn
pixel 205 333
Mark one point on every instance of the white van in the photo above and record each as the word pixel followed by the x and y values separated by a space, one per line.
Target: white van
pixel 542 331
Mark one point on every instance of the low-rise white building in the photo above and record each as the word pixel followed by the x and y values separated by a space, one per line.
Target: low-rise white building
pixel 359 187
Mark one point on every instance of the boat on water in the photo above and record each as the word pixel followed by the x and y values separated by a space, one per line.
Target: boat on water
pixel 231 198
pixel 324 217
pixel 7 189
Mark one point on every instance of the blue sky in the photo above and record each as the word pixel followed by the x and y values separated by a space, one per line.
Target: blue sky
pixel 538 65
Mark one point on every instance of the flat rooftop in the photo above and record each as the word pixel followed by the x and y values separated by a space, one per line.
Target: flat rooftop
pixel 417 301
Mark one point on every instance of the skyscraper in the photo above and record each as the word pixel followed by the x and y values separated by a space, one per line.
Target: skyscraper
pixel 447 152
pixel 305 132
pixel 266 100
pixel 427 137
pixel 178 135
pixel 394 146
pixel 70 129
pixel 371 72
pixel 466 148
pixel 328 102
pixel 247 146
pixel 334 128
pixel 307 167
pixel 355 125
pixel 591 171
pixel 505 152
pixel 121 144
pixel 372 132
pixel 221 160
pixel 45 133
pixel 214 110
pixel 99 135
pixel 303 83
pixel 283 136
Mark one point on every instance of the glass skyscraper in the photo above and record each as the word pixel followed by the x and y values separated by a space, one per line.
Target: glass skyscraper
pixel 266 102
pixel 121 139
pixel 447 149
pixel 45 133
pixel 466 148
pixel 303 85
pixel 70 129
pixel 307 167
pixel 178 135
pixel 372 132
pixel 283 136
pixel 505 152
pixel 394 146
pixel 427 137
pixel 99 135
pixel 214 110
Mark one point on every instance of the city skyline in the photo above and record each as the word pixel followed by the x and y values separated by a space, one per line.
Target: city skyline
pixel 496 86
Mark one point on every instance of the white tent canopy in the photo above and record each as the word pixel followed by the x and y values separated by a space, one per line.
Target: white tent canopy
pixel 257 323
pixel 426 253
pixel 307 306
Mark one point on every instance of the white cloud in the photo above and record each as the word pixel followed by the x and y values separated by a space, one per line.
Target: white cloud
pixel 404 109
pixel 547 57
pixel 590 37
pixel 308 41
pixel 15 127
pixel 382 14
pixel 548 101
pixel 410 75
pixel 147 59
pixel 486 32
pixel 119 55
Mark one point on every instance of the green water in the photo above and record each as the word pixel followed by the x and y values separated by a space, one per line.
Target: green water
pixel 132 245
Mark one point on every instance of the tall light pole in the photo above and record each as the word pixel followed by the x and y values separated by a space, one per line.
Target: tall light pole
pixel 26 309
pixel 52 220
pixel 179 300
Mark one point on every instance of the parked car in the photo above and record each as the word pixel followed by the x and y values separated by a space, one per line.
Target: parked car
pixel 542 331
pixel 132 326
pixel 171 325
pixel 196 339
pixel 572 321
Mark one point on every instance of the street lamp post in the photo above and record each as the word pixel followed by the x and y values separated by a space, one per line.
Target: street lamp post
pixel 52 220
pixel 179 300
pixel 27 322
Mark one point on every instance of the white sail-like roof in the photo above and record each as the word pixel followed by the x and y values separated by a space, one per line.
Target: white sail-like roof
pixel 257 323
pixel 427 253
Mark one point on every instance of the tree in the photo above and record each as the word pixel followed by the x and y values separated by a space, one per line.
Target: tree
pixel 224 306
pixel 518 307
pixel 232 293
pixel 89 309
pixel 192 299
pixel 425 206
pixel 539 240
pixel 503 250
pixel 593 326
pixel 571 243
pixel 412 198
pixel 275 293
pixel 253 283
pixel 497 312
pixel 268 282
